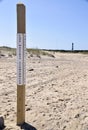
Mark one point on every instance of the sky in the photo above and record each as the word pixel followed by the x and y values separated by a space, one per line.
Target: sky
pixel 50 24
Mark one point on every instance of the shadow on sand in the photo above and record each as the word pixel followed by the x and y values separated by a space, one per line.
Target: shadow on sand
pixel 26 126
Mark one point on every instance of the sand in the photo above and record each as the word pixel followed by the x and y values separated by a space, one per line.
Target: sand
pixel 56 92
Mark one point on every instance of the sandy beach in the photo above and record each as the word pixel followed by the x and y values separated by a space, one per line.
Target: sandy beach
pixel 56 92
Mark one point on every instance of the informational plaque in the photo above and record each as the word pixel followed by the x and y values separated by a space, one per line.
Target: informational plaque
pixel 21 59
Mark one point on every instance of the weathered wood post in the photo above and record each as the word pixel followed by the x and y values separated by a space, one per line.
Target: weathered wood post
pixel 21 63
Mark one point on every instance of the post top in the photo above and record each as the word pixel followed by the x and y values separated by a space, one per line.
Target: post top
pixel 21 22
pixel 20 3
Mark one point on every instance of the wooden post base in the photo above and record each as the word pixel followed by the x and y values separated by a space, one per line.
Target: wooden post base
pixel 20 104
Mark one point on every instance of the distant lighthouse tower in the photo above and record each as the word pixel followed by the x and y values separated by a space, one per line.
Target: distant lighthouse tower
pixel 72 46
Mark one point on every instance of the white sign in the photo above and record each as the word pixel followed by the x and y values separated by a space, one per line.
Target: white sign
pixel 21 59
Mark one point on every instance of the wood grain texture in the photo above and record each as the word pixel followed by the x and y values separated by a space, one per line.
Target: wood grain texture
pixel 21 26
pixel 20 104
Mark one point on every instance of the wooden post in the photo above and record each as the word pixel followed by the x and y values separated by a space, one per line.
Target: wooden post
pixel 21 63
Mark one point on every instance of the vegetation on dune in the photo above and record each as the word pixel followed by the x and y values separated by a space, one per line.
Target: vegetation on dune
pixel 70 51
pixel 39 52
pixel 10 51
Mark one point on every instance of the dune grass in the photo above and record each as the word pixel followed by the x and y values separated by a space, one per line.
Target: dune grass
pixel 32 51
pixel 8 50
pixel 39 52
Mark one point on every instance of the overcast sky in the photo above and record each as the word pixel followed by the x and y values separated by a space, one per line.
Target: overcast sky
pixel 50 24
